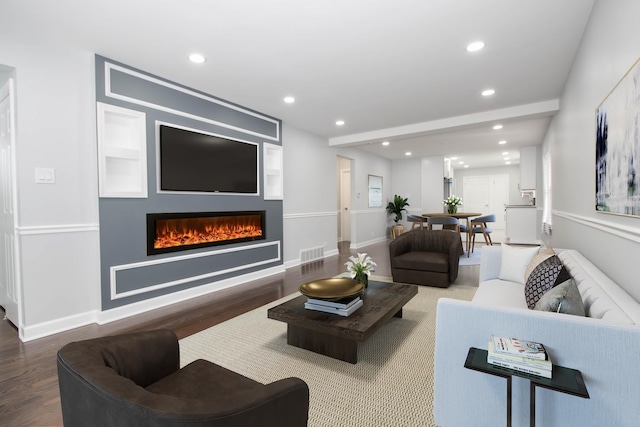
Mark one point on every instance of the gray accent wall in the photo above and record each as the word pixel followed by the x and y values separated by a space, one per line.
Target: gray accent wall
pixel 128 274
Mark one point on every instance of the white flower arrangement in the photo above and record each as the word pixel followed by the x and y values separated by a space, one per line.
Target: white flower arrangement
pixel 360 266
pixel 452 201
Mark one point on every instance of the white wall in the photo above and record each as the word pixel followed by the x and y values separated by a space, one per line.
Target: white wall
pixel 407 182
pixel 57 223
pixel 432 178
pixel 311 195
pixel 514 178
pixel 608 50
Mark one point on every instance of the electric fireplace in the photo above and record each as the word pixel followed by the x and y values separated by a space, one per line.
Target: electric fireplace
pixel 171 232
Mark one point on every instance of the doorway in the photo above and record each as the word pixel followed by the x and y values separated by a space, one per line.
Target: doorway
pixel 344 202
pixel 487 194
pixel 9 272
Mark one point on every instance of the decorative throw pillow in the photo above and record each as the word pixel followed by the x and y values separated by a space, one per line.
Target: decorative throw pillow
pixel 564 298
pixel 540 256
pixel 544 276
pixel 515 261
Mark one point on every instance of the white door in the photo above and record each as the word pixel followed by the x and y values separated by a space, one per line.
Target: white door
pixel 345 205
pixel 9 277
pixel 487 195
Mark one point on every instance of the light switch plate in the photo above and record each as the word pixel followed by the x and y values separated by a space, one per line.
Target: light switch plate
pixel 45 176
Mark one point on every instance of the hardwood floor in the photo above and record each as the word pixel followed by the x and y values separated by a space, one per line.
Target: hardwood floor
pixel 29 393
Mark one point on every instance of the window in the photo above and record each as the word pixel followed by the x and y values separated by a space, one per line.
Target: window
pixel 546 193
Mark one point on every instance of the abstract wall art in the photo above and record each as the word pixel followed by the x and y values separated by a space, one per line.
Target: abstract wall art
pixel 618 147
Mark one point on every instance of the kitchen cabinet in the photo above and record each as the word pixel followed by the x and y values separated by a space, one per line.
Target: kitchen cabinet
pixel 528 167
pixel 522 224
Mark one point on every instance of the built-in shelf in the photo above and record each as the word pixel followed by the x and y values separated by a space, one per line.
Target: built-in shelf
pixel 122 152
pixel 273 179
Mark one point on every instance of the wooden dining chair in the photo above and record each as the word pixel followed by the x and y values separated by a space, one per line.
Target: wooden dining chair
pixel 479 226
pixel 447 223
pixel 416 220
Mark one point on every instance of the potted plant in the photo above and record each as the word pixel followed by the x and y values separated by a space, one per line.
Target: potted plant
pixel 395 208
pixel 452 203
pixel 360 267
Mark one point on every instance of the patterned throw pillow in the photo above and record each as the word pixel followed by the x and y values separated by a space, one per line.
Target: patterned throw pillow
pixel 564 298
pixel 543 277
pixel 541 256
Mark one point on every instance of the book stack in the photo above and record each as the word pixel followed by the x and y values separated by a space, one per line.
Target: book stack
pixel 524 356
pixel 341 307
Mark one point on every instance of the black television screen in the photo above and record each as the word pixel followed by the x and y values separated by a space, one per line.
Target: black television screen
pixel 193 161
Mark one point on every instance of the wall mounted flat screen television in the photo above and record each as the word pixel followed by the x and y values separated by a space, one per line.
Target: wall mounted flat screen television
pixel 197 162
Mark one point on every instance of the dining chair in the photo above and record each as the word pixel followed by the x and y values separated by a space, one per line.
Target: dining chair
pixel 416 220
pixel 479 226
pixel 447 222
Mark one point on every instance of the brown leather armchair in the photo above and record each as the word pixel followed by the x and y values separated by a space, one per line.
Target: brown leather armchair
pixel 135 380
pixel 426 257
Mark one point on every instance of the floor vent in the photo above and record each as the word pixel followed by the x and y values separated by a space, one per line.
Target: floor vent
pixel 313 254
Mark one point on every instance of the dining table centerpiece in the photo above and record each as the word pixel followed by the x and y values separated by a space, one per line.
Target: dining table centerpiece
pixel 452 202
pixel 360 268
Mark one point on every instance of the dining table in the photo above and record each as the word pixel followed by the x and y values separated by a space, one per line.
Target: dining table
pixel 459 215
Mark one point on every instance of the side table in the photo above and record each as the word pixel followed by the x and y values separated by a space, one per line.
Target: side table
pixel 564 380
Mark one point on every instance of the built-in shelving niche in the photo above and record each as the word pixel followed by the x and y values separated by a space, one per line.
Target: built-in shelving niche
pixel 122 152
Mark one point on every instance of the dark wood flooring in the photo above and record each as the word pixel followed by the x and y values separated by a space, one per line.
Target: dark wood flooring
pixel 29 393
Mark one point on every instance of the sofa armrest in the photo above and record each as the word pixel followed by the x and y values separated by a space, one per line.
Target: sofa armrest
pixel 490 262
pixel 605 354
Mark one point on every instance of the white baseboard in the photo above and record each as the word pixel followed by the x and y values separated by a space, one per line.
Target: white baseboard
pixel 41 330
pixel 361 245
pixel 44 329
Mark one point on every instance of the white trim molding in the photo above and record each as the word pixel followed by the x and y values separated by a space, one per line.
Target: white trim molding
pixel 54 229
pixel 309 215
pixel 109 93
pixel 113 270
pixel 626 232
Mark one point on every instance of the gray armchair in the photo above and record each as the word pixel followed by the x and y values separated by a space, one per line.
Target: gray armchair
pixel 426 257
pixel 135 380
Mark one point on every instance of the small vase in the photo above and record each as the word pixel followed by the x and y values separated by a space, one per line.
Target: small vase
pixel 364 279
pixel 452 209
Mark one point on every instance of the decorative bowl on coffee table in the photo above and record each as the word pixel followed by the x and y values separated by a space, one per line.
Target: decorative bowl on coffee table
pixel 331 289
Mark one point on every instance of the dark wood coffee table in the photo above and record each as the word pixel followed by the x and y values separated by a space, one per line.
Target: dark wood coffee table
pixel 336 336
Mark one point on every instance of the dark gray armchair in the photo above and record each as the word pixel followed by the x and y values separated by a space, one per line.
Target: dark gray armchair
pixel 135 380
pixel 426 257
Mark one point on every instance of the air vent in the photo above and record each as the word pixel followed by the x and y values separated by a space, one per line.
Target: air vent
pixel 312 254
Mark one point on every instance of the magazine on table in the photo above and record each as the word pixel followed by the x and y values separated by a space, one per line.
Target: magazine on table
pixel 334 310
pixel 492 356
pixel 518 347
pixel 340 303
pixel 526 369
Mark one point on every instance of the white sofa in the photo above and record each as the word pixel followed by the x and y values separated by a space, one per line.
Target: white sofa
pixel 604 346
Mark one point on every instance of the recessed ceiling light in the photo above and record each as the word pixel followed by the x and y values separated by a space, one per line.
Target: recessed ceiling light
pixel 289 99
pixel 505 153
pixel 507 158
pixel 408 153
pixel 502 142
pixel 197 58
pixel 497 127
pixel 461 163
pixel 466 166
pixel 475 46
pixel 385 143
pixel 340 122
pixel 488 92
pixel 507 163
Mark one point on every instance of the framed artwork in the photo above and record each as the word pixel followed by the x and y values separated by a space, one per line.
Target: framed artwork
pixel 618 147
pixel 375 191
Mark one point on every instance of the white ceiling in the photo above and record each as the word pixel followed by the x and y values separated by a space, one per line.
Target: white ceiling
pixel 394 71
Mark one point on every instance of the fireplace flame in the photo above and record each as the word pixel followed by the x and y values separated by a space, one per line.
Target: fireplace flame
pixel 193 231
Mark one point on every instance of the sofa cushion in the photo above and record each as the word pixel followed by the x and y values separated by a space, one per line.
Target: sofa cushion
pixel 563 298
pixel 515 261
pixel 544 276
pixel 424 261
pixel 201 379
pixel 500 293
pixel 542 255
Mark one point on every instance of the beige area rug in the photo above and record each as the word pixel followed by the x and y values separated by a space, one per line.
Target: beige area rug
pixel 391 385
